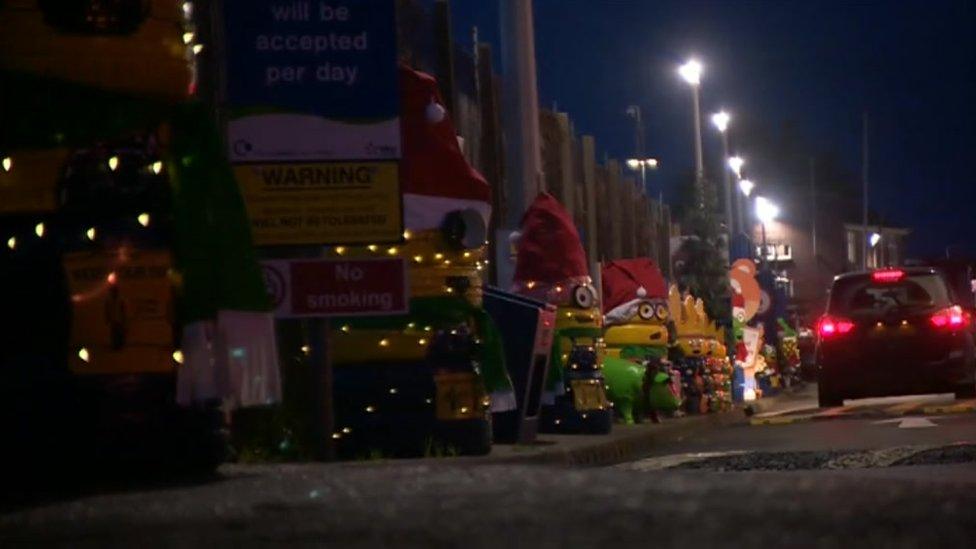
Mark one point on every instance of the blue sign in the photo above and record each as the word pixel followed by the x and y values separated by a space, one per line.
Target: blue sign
pixel 312 80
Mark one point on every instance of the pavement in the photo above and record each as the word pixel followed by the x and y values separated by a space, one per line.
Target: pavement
pixel 875 478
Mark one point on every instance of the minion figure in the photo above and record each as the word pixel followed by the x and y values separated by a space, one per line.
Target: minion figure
pixel 551 267
pixel 635 317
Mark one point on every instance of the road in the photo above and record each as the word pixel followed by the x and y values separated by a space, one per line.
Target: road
pixel 884 473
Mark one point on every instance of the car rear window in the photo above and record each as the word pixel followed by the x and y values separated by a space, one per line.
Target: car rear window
pixel 862 294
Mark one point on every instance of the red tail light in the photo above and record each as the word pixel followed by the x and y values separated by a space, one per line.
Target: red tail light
pixel 832 326
pixel 888 275
pixel 951 318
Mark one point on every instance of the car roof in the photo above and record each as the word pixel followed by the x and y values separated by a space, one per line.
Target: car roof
pixel 913 270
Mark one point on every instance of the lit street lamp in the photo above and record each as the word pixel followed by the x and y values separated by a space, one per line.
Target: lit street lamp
pixel 642 164
pixel 766 212
pixel 746 186
pixel 691 73
pixel 721 122
pixel 736 163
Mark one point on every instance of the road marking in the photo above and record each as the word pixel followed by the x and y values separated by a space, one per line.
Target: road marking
pixel 666 462
pixel 908 422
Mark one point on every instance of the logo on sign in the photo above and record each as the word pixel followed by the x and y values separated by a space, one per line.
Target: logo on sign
pixel 274 281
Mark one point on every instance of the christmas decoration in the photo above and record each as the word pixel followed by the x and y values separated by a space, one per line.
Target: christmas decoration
pixel 551 267
pixel 438 372
pixel 635 317
pixel 114 178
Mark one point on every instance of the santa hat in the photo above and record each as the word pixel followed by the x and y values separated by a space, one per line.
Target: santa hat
pixel 436 177
pixel 549 248
pixel 628 281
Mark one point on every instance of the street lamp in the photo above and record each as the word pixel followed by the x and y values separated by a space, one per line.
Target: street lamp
pixel 736 163
pixel 766 212
pixel 642 164
pixel 721 122
pixel 875 238
pixel 691 72
pixel 746 186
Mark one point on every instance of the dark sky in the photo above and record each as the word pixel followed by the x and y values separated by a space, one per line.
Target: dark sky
pixel 813 64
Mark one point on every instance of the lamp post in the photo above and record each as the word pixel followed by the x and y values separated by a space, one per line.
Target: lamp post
pixel 691 73
pixel 735 164
pixel 642 164
pixel 766 212
pixel 721 122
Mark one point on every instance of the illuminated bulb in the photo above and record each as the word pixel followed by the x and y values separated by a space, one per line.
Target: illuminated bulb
pixel 372 247
pixel 559 289
pixel 393 391
pixel 90 233
pixel 467 255
pixel 438 256
pixel 112 278
pixel 178 356
pixel 370 409
pixel 384 342
pixel 447 262
pixel 346 430
pixel 197 48
pixel 306 349
pixel 449 289
pixel 39 230
pixel 422 341
pixel 411 325
pixel 143 219
pixel 157 167
pixel 188 37
pixel 406 235
pixel 336 435
pixel 7 163
pixel 530 284
pixel 479 268
pixel 392 251
pixel 83 354
pixel 187 9
pixel 429 401
pixel 558 421
pixel 345 328
pixel 464 409
pixel 427 328
pixel 340 250
pixel 12 242
pixel 113 163
pixel 418 258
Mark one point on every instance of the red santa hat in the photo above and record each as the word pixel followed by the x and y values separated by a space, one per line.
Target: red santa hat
pixel 549 248
pixel 436 177
pixel 627 282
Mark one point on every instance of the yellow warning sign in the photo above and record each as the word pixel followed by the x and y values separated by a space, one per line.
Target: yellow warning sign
pixel 122 311
pixel 322 203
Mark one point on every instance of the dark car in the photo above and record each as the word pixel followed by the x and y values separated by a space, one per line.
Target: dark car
pixel 894 332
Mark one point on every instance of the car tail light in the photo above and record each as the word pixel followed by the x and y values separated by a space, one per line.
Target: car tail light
pixel 832 326
pixel 950 318
pixel 888 275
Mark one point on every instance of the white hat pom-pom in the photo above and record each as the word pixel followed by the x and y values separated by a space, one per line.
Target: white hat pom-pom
pixel 641 292
pixel 435 112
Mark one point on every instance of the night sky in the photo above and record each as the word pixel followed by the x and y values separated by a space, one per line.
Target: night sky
pixel 815 66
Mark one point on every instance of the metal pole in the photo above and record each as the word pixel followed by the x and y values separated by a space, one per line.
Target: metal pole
pixel 864 183
pixel 729 221
pixel 699 161
pixel 813 206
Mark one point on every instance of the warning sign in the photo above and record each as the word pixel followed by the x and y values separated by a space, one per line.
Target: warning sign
pixel 336 287
pixel 122 305
pixel 322 203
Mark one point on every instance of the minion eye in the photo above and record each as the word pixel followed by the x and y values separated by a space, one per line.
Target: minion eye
pixel 583 297
pixel 646 311
pixel 662 312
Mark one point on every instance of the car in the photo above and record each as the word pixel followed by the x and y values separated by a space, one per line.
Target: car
pixel 894 331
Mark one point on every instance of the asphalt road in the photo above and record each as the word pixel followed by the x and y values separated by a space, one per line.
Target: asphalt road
pixel 834 482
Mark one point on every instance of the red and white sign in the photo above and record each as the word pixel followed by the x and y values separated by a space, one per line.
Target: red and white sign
pixel 336 287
